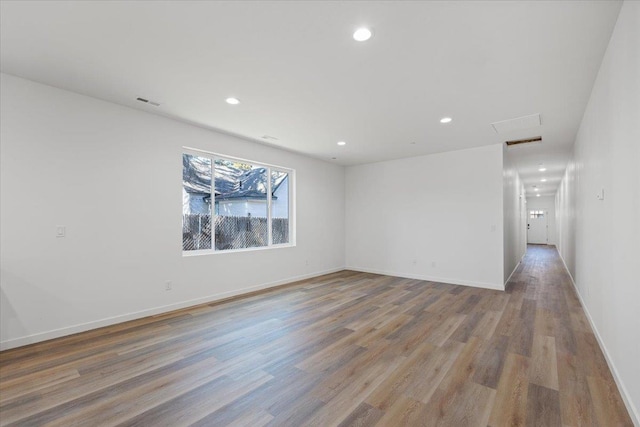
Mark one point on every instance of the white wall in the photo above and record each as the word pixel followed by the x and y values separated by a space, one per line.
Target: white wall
pixel 436 217
pixel 566 218
pixel 548 204
pixel 112 175
pixel 603 249
pixel 514 213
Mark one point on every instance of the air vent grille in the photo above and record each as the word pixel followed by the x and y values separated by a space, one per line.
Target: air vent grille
pixel 146 101
pixel 523 141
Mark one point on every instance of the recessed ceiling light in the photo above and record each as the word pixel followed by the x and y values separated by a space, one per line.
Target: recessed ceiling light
pixel 542 169
pixel 537 195
pixel 535 189
pixel 543 180
pixel 233 101
pixel 362 34
pixel 446 120
pixel 342 143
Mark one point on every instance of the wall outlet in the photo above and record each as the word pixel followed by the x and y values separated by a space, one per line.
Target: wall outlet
pixel 168 285
pixel 61 230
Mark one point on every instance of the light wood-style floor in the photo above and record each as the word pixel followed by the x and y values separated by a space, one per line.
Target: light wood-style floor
pixel 343 349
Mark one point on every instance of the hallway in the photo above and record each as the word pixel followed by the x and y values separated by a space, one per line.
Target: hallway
pixel 562 336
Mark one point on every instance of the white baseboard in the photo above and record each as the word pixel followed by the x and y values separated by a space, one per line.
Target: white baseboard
pixel 633 411
pixel 451 281
pixel 514 269
pixel 69 330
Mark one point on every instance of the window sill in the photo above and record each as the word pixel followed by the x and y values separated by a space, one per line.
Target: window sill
pixel 235 251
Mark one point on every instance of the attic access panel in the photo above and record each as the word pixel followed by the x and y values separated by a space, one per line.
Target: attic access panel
pixel 517 124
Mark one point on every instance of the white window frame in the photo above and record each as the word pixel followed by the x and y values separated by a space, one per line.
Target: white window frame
pixel 292 203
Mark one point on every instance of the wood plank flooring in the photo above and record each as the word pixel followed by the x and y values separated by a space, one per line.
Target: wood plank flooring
pixel 345 349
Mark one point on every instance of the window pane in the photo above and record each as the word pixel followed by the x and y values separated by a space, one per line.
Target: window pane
pixel 279 207
pixel 196 202
pixel 240 205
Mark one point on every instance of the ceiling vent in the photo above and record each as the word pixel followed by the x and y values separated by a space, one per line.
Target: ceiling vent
pixel 519 123
pixel 146 101
pixel 523 141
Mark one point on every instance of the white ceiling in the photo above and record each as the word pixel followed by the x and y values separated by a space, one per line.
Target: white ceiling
pixel 302 78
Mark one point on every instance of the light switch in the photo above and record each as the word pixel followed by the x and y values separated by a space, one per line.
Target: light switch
pixel 60 230
pixel 600 195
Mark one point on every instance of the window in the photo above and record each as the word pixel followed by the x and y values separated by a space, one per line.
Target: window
pixel 233 204
pixel 536 214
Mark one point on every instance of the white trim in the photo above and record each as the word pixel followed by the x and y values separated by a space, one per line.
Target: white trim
pixel 293 201
pixel 514 270
pixel 200 252
pixel 631 409
pixel 199 152
pixel 57 333
pixel 269 206
pixel 461 282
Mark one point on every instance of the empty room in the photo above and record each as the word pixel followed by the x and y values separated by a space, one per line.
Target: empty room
pixel 320 213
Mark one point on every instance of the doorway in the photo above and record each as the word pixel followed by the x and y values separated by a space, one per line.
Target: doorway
pixel 537 227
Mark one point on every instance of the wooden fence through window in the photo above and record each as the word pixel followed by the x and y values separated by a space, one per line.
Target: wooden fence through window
pixel 231 232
